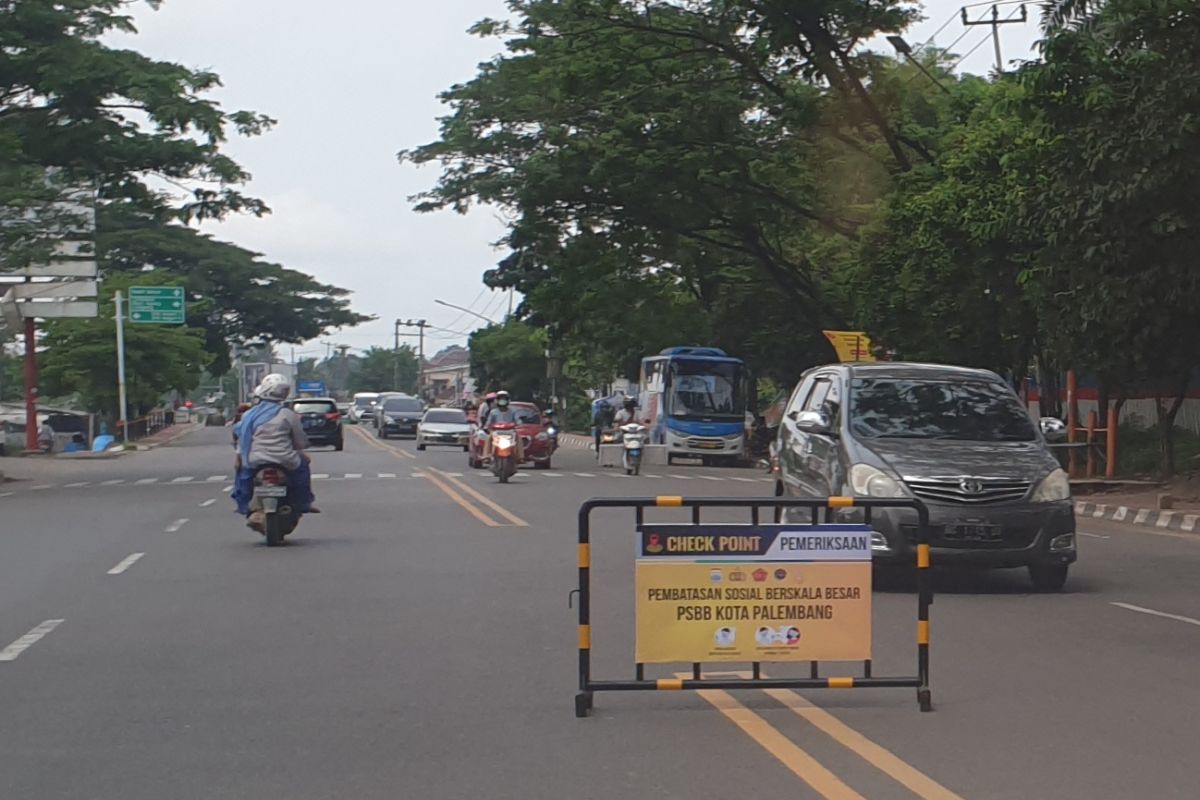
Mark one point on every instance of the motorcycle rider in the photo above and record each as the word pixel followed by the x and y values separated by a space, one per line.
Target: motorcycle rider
pixel 501 412
pixel 627 414
pixel 602 417
pixel 268 434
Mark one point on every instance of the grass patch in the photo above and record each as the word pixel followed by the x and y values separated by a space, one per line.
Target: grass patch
pixel 1138 451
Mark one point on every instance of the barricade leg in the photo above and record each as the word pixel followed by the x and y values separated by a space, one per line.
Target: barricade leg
pixel 924 695
pixel 583 700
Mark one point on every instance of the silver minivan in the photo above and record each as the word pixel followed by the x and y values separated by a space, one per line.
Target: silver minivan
pixel 957 439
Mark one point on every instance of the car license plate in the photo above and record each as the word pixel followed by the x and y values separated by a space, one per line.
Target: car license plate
pixel 969 532
pixel 270 491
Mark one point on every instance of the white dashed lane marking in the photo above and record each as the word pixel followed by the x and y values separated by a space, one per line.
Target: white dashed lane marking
pixel 146 481
pixel 126 563
pixel 215 478
pixel 208 502
pixel 184 479
pixel 176 525
pixel 27 641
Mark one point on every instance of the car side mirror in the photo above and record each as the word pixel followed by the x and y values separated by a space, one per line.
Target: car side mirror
pixel 814 422
pixel 1054 429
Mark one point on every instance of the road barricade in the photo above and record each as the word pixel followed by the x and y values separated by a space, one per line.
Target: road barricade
pixel 753 593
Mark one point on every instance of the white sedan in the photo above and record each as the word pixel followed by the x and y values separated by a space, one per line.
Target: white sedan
pixel 445 427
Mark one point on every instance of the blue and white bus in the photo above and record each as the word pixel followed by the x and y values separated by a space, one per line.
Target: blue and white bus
pixel 695 400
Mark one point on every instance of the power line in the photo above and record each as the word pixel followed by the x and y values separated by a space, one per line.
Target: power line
pixel 995 22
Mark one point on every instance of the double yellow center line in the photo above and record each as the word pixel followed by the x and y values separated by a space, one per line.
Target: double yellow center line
pixel 483 508
pixel 805 766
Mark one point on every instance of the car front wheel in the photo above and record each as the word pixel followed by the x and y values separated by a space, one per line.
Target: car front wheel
pixel 1048 577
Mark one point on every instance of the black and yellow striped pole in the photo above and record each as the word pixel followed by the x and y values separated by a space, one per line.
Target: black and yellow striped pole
pixel 924 598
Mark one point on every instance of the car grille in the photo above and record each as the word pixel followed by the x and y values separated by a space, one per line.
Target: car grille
pixel 705 444
pixel 968 491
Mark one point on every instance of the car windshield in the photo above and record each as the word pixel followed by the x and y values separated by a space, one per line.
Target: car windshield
pixel 447 417
pixel 402 404
pixel 932 409
pixel 363 402
pixel 527 415
pixel 313 407
pixel 706 389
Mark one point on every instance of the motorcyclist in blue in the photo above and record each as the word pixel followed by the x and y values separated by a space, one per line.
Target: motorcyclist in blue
pixel 269 433
pixel 602 417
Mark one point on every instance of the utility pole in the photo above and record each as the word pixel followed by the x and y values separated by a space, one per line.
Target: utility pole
pixel 120 309
pixel 420 325
pixel 995 22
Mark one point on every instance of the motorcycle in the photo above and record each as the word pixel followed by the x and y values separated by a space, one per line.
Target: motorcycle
pixel 633 441
pixel 273 497
pixel 504 450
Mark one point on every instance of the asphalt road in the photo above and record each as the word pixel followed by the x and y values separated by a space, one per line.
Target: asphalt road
pixel 414 641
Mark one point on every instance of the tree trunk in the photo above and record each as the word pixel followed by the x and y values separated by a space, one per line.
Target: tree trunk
pixel 1049 402
pixel 1166 428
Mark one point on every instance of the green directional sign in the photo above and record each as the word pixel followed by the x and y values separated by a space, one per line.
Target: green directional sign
pixel 160 305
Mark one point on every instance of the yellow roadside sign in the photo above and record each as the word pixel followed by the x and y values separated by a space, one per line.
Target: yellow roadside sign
pixel 753 593
pixel 850 345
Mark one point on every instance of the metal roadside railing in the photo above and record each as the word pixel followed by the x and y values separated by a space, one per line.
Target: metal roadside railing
pixel 760 543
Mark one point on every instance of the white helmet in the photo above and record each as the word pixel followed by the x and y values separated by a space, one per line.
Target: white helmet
pixel 274 387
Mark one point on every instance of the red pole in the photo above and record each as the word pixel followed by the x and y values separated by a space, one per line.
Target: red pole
pixel 31 390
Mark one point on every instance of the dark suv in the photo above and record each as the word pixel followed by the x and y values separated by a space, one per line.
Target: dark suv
pixel 321 420
pixel 957 439
pixel 399 415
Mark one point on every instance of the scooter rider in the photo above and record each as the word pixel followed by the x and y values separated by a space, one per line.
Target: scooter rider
pixel 627 414
pixel 269 433
pixel 501 412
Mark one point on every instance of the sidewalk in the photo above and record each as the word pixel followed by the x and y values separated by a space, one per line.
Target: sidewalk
pixel 166 436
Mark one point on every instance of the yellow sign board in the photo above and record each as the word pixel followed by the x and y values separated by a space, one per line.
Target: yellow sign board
pixel 850 345
pixel 753 593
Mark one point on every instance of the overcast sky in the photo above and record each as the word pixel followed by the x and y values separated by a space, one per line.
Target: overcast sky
pixel 353 82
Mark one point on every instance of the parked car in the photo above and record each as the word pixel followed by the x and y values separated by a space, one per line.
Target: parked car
pixel 362 406
pixel 445 427
pixel 535 440
pixel 398 414
pixel 957 439
pixel 321 420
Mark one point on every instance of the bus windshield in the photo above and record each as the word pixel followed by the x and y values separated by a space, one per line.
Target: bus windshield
pixel 706 389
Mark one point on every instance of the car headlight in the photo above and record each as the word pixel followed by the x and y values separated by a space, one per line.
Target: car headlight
pixel 868 481
pixel 389 420
pixel 543 436
pixel 1054 487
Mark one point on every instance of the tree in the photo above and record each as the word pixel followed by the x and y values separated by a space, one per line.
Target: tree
pixel 381 370
pixel 1113 107
pixel 511 356
pixel 234 295
pixel 940 274
pixel 113 118
pixel 674 150
pixel 80 357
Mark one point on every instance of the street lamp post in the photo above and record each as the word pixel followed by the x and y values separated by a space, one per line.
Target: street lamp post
pixel 488 320
pixel 903 48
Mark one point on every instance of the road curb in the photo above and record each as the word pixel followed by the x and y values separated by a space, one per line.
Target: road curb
pixel 1160 519
pixel 192 428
